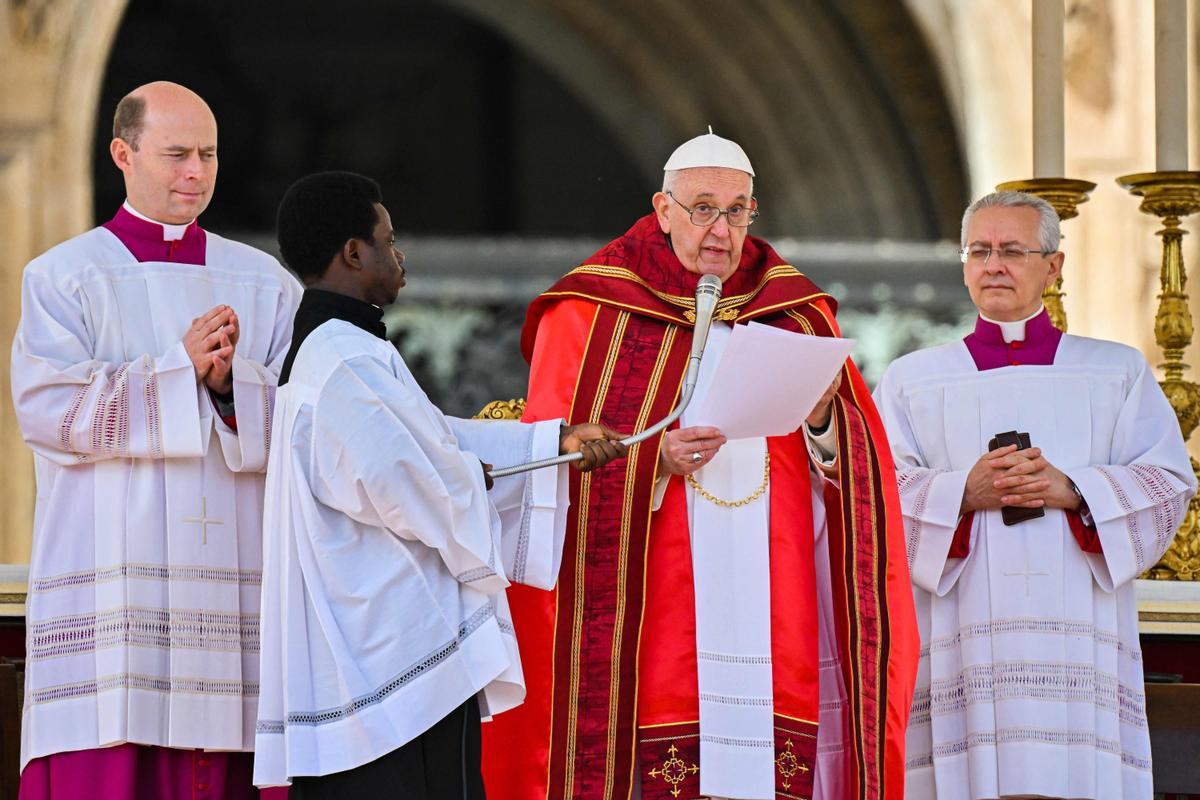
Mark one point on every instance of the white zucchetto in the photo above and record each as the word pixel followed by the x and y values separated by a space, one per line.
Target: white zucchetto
pixel 709 150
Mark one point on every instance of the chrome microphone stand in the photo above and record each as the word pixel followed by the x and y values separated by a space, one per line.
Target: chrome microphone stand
pixel 708 292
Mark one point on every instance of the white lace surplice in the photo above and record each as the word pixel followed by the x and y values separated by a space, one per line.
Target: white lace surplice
pixel 1030 679
pixel 386 558
pixel 144 582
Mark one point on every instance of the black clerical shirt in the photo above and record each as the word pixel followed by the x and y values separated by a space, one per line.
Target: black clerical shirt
pixel 317 307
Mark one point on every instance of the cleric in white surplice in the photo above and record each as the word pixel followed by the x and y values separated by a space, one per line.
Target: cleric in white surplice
pixel 143 376
pixel 1030 681
pixel 386 631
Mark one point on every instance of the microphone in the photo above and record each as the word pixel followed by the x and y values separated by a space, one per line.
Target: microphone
pixel 708 293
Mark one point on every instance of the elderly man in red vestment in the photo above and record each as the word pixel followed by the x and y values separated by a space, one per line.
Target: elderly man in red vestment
pixel 733 618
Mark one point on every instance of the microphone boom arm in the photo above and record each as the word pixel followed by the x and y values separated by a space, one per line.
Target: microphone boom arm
pixel 708 292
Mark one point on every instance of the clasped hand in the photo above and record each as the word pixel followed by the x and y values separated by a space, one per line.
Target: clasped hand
pixel 1022 478
pixel 210 343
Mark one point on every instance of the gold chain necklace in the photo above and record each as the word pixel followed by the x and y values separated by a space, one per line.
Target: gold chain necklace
pixel 745 501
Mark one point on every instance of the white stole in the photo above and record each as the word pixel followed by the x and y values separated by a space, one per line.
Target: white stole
pixel 731 569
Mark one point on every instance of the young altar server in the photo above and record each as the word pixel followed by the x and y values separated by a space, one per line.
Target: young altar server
pixel 1023 557
pixel 386 631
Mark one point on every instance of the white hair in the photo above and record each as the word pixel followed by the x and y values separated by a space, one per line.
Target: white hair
pixel 671 177
pixel 1049 234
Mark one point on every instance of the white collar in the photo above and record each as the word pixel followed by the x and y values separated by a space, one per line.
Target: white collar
pixel 171 233
pixel 1013 331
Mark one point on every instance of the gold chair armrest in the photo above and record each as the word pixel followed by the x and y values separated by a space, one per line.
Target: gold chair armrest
pixel 503 409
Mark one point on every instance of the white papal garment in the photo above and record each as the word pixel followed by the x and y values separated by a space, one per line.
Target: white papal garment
pixel 144 580
pixel 1030 679
pixel 387 558
pixel 731 570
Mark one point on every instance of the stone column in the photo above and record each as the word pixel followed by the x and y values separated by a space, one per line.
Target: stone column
pixel 52 57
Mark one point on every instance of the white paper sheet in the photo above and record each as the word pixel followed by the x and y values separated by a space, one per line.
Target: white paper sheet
pixel 769 380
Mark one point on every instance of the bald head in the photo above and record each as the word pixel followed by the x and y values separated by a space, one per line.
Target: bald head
pixel 165 143
pixel 130 115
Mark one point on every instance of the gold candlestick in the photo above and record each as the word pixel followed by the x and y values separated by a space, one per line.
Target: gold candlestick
pixel 1172 196
pixel 1065 195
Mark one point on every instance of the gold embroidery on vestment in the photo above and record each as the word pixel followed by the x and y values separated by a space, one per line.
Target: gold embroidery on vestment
pixel 788 765
pixel 674 770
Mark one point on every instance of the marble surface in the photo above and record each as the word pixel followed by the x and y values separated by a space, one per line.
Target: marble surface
pixel 13 580
pixel 1163 606
pixel 1169 607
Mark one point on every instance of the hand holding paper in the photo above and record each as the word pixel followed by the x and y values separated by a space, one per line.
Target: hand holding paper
pixel 769 380
pixel 819 416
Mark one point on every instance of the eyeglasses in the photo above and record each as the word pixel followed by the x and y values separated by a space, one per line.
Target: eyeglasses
pixel 1009 254
pixel 704 214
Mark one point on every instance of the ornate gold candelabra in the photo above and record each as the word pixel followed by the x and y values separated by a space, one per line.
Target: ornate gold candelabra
pixel 1065 195
pixel 1172 196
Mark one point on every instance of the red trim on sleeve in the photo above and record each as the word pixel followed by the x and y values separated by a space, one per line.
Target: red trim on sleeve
pixel 231 420
pixel 1087 536
pixel 960 545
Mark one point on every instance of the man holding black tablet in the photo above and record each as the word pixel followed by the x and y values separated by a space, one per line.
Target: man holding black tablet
pixel 1039 475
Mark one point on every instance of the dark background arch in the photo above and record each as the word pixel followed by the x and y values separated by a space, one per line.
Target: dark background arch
pixel 552 117
pixel 467 135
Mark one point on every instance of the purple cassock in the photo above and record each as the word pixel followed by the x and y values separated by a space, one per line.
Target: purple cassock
pixel 989 350
pixel 147 240
pixel 133 771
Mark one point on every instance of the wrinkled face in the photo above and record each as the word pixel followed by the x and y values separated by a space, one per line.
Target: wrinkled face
pixel 171 176
pixel 382 264
pixel 714 249
pixel 1008 289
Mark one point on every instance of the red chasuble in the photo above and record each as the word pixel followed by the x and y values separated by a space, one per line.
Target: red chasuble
pixel 610 655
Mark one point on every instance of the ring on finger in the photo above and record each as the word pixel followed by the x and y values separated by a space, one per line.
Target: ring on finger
pixel 697 457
